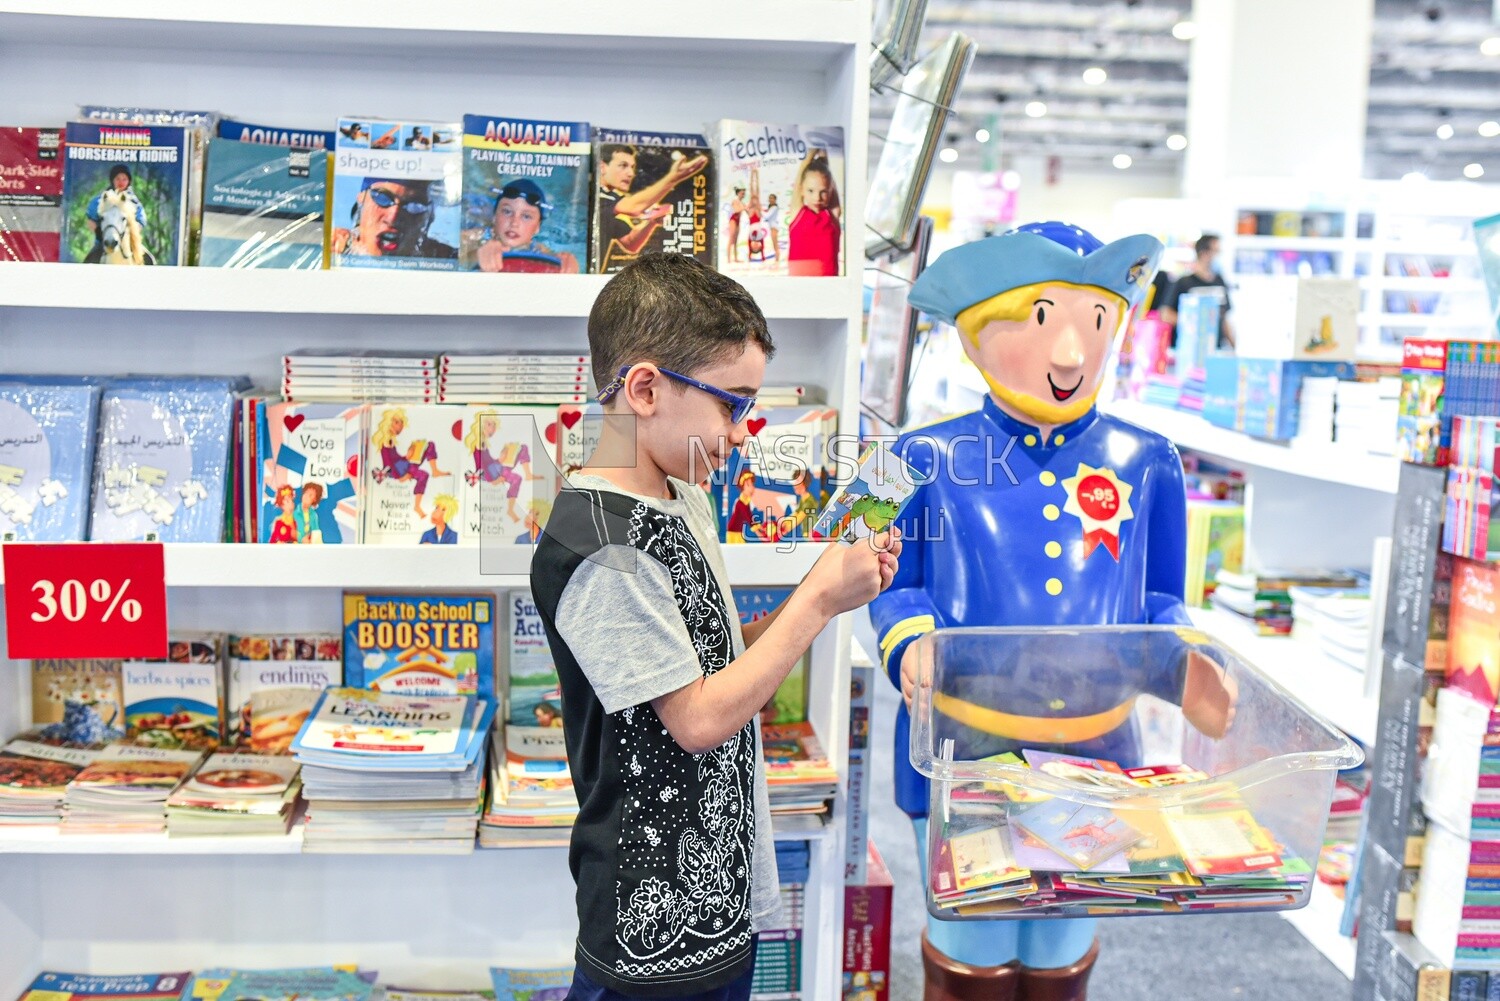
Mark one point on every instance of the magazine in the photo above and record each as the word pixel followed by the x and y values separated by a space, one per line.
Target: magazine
pixel 263 206
pixel 178 702
pixel 125 193
pixel 356 729
pixel 420 644
pixel 653 193
pixel 275 135
pixel 780 209
pixel 77 701
pixel 526 195
pixel 534 693
pixel 128 987
pixel 31 185
pixel 294 668
pixel 395 196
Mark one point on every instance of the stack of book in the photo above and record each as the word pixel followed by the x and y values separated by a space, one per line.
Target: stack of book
pixel 393 773
pixel 531 800
pixel 800 777
pixel 125 789
pixel 340 376
pixel 234 794
pixel 1216 541
pixel 778 958
pixel 515 377
pixel 998 847
pixel 34 777
pixel 1337 619
pixel 1263 598
pixel 1471 523
pixel 316 983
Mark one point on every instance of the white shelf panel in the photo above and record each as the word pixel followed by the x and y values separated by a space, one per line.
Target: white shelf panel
pixel 51 841
pixel 1318 922
pixel 1334 463
pixel 1474 319
pixel 1333 690
pixel 249 565
pixel 460 28
pixel 1393 283
pixel 348 292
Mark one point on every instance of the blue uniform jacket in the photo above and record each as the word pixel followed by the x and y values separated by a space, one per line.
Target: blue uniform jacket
pixel 1093 531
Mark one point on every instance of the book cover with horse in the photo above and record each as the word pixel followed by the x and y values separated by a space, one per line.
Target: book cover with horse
pixel 125 190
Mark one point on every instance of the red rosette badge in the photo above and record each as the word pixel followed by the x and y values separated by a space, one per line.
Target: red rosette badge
pixel 1101 500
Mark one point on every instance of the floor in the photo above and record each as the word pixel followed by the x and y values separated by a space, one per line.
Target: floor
pixel 1249 957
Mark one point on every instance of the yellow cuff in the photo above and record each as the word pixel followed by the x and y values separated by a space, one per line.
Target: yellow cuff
pixel 905 629
pixel 1033 729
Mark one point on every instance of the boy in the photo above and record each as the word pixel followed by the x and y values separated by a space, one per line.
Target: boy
pixel 672 850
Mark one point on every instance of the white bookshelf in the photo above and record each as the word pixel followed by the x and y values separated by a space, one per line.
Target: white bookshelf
pixel 671 65
pixel 1318 922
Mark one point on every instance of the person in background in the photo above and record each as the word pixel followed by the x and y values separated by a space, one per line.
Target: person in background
pixel 1201 275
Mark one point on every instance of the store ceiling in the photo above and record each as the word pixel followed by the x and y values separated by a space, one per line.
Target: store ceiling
pixel 1426 70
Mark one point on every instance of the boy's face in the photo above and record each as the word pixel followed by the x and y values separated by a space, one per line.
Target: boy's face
pixel 688 428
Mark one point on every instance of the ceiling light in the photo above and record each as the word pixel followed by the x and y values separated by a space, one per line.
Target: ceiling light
pixel 1177 142
pixel 982 136
pixel 1489 129
pixel 1474 171
pixel 1122 161
pixel 1095 75
pixel 1185 30
pixel 1414 176
pixel 1490 46
pixel 1445 131
pixel 948 155
pixel 1036 109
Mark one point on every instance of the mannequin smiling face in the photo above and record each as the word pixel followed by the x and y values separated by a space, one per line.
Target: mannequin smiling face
pixel 1043 355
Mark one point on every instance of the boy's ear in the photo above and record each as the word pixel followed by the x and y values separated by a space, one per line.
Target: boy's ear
pixel 642 388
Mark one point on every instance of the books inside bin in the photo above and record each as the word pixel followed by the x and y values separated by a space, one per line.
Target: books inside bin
pixel 1182 822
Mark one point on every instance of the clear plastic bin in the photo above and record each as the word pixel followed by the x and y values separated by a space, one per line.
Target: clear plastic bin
pixel 1116 693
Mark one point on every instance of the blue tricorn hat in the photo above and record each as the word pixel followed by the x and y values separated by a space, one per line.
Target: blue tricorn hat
pixel 1031 255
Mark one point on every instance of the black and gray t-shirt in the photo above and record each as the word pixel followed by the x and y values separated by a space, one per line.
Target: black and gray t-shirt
pixel 671 852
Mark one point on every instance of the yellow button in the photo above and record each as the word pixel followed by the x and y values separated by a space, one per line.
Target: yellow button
pixel 1030 440
pixel 1054 549
pixel 1058 439
pixel 1048 478
pixel 1054 586
pixel 1050 512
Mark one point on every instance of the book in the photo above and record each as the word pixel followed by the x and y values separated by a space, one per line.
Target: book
pixel 789 704
pixel 414 465
pixel 868 912
pixel 146 773
pixel 420 644
pixel 357 729
pixel 308 478
pixel 871 501
pixel 653 193
pixel 176 703
pixel 1474 631
pixel 50 986
pixel 394 201
pixel 1419 421
pixel 433 994
pixel 1222 842
pixel 1086 772
pixel 126 193
pixel 46 458
pixel 237 782
pixel 295 668
pixel 533 691
pixel 275 135
pixel 526 195
pixel 509 480
pixel 1084 835
pixel 77 701
pixel 160 467
pixel 531 984
pixel 318 983
pixel 263 206
pixel 780 210
pixel 773 485
pixel 34 778
pixel 31 186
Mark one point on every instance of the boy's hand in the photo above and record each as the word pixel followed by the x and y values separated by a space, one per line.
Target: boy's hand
pixel 849 577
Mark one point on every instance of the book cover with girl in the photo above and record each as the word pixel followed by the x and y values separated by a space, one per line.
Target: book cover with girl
pixel 414 467
pixel 526 195
pixel 780 205
pixel 509 478
pixel 309 483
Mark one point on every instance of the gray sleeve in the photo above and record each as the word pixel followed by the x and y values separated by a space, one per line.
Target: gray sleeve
pixel 623 627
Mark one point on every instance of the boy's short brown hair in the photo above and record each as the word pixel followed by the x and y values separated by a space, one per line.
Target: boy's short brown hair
pixel 672 311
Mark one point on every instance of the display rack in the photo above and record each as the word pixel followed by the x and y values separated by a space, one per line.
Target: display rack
pixel 655 64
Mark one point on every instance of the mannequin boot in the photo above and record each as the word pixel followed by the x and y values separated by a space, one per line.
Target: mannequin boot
pixel 1067 983
pixel 950 980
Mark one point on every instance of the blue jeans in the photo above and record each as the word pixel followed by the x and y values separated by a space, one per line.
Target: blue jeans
pixel 1041 945
pixel 738 989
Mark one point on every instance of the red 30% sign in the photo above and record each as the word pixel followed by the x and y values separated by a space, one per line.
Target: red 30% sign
pixel 85 600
